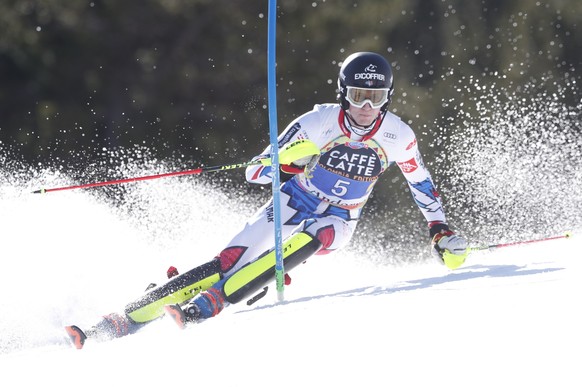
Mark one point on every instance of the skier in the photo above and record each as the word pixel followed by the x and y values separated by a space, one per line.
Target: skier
pixel 336 153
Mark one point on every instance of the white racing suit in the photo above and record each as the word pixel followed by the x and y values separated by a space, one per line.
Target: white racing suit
pixel 320 207
pixel 327 200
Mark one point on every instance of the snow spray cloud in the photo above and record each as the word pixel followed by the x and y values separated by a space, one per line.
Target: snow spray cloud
pixel 511 162
pixel 87 252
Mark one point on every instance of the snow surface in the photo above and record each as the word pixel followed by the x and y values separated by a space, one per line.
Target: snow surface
pixel 508 317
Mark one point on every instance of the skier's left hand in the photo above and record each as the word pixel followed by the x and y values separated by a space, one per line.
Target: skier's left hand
pixel 449 248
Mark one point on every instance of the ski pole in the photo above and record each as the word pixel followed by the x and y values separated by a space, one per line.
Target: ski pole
pixel 453 261
pixel 489 247
pixel 196 171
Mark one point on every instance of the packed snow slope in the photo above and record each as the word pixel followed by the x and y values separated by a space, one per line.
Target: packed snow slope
pixel 508 317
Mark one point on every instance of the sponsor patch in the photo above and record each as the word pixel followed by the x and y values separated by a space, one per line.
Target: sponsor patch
pixel 408 166
pixel 353 160
pixel 294 129
pixel 356 145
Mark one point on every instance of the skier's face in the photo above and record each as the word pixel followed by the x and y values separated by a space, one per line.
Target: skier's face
pixel 365 115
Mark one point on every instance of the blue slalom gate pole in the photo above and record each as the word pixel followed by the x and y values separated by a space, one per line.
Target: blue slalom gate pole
pixel 273 131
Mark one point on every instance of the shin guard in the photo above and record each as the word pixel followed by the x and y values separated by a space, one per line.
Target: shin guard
pixel 256 274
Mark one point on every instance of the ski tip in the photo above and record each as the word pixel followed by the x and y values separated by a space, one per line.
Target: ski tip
pixel 176 313
pixel 76 335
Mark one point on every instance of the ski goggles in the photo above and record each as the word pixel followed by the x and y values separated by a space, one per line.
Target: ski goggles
pixel 358 97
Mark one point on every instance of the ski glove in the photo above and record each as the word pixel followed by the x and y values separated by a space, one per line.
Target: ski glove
pixel 300 165
pixel 449 248
pixel 298 152
pixel 296 156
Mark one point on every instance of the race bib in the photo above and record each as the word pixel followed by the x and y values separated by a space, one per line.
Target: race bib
pixel 346 172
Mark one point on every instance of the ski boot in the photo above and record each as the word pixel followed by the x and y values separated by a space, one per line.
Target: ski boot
pixel 207 304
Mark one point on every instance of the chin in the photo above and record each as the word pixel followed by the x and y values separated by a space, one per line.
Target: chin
pixel 366 121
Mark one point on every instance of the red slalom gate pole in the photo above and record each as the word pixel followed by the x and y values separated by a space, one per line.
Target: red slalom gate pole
pixel 196 171
pixel 563 236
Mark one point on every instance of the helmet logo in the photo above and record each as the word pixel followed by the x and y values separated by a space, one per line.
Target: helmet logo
pixel 380 77
pixel 370 74
pixel 371 68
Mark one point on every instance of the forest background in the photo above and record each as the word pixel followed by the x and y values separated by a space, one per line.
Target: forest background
pixel 187 79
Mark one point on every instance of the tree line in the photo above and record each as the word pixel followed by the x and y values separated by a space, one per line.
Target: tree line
pixel 188 77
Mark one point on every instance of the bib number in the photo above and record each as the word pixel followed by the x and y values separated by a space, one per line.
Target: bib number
pixel 340 188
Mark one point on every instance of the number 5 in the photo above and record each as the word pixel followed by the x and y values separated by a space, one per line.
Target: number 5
pixel 340 188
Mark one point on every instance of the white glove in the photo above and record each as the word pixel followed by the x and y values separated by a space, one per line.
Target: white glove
pixel 304 161
pixel 299 156
pixel 449 248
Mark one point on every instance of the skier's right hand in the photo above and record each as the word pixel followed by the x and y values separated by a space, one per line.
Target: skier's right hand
pixel 298 155
pixel 298 152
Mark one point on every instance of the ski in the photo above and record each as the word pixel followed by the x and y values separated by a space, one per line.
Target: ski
pixel 111 326
pixel 179 290
pixel 158 301
pixel 176 313
pixel 76 335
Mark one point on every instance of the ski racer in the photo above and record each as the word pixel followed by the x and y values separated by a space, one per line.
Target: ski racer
pixel 335 155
